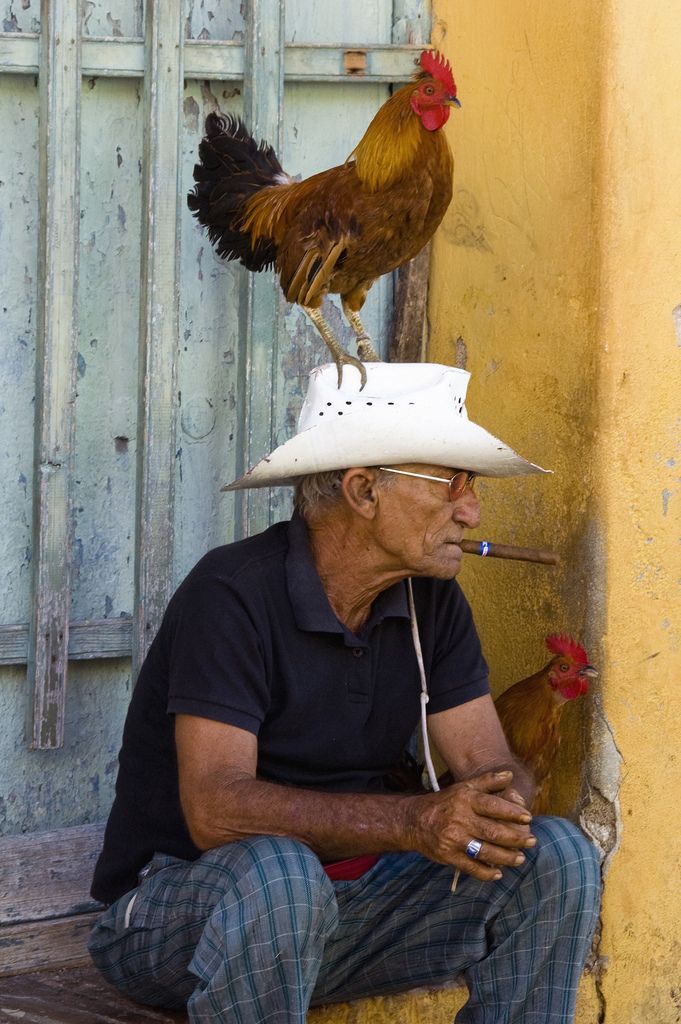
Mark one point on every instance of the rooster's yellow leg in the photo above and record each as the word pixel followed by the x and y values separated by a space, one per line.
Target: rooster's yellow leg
pixel 365 346
pixel 340 356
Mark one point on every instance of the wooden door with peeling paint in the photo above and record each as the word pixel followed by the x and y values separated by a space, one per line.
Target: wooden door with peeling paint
pixel 137 371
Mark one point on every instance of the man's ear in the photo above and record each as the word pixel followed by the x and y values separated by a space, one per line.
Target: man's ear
pixel 359 490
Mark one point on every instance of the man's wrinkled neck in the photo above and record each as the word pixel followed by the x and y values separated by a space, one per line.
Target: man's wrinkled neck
pixel 350 573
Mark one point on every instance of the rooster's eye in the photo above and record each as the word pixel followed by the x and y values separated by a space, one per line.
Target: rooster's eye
pixel 564 667
pixel 429 90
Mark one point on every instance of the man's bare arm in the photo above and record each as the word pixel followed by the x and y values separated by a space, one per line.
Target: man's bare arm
pixel 471 740
pixel 223 802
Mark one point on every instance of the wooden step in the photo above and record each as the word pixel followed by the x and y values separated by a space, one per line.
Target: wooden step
pixel 72 996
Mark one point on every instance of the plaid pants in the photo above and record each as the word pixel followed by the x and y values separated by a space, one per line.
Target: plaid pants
pixel 255 932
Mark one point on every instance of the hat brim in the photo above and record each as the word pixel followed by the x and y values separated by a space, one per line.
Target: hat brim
pixel 406 436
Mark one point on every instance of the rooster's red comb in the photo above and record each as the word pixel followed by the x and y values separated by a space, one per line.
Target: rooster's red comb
pixel 560 643
pixel 434 64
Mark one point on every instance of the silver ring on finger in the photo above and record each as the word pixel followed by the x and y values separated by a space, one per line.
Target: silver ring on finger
pixel 473 849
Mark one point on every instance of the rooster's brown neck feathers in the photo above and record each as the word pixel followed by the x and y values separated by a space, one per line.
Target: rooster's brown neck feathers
pixel 394 142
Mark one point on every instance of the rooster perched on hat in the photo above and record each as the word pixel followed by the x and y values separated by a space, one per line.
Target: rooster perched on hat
pixel 530 711
pixel 337 231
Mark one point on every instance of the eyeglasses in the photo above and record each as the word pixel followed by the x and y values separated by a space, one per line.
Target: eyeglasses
pixel 457 485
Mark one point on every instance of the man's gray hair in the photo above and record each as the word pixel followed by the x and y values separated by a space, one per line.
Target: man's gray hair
pixel 318 489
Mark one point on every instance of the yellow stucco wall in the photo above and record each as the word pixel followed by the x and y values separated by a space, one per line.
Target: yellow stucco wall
pixel 513 298
pixel 638 458
pixel 555 278
pixel 427 1007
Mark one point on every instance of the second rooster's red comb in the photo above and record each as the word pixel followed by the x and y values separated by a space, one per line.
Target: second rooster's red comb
pixel 436 65
pixel 563 644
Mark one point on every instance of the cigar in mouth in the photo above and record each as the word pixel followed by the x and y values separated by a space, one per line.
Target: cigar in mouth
pixel 489 549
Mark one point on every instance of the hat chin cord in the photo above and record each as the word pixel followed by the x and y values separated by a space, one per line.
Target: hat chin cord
pixel 416 639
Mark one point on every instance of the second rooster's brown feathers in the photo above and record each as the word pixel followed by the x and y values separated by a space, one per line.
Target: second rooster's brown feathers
pixel 531 710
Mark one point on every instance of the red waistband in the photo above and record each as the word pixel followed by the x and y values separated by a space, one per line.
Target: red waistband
pixel 350 869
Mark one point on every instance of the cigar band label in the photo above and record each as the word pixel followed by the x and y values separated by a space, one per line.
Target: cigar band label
pixel 484 547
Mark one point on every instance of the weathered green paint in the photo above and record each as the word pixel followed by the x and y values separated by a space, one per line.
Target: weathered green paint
pixel 262 307
pixel 222 60
pixel 411 21
pixel 19 219
pixel 158 321
pixel 22 17
pixel 324 114
pixel 72 784
pixel 107 360
pixel 92 638
pixel 215 19
pixel 210 399
pixel 59 141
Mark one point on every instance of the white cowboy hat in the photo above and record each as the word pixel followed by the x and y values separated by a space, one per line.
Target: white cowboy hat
pixel 406 413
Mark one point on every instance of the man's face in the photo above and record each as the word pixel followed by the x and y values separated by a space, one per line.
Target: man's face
pixel 419 527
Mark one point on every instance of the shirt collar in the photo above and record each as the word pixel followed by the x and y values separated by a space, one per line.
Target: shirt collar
pixel 311 607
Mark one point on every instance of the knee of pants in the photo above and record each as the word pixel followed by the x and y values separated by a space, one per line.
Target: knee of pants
pixel 565 860
pixel 275 856
pixel 284 871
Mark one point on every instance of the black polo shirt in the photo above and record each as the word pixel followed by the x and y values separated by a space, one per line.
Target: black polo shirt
pixel 250 639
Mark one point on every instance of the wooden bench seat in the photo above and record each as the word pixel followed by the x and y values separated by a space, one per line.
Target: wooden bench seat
pixel 45 972
pixel 75 995
pixel 45 916
pixel 45 906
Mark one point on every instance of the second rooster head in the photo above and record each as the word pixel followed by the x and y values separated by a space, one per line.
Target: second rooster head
pixel 570 670
pixel 435 91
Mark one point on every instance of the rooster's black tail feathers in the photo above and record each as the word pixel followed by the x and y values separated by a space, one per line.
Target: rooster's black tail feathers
pixel 232 168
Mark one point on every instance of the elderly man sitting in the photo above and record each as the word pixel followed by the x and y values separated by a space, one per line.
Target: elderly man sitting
pixel 260 855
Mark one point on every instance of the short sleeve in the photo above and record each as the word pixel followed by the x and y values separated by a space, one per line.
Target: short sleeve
pixel 216 665
pixel 456 669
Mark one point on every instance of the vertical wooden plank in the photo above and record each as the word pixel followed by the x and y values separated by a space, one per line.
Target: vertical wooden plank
pixel 408 336
pixel 59 138
pixel 19 230
pixel 411 21
pixel 163 85
pixel 211 407
pixel 107 365
pixel 262 304
pixel 409 333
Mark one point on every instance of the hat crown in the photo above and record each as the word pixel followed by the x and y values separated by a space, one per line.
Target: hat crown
pixel 406 413
pixel 397 386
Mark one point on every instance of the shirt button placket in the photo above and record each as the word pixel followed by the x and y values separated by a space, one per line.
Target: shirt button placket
pixel 359 683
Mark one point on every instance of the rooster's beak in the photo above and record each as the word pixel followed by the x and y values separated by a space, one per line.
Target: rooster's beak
pixel 454 102
pixel 588 671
